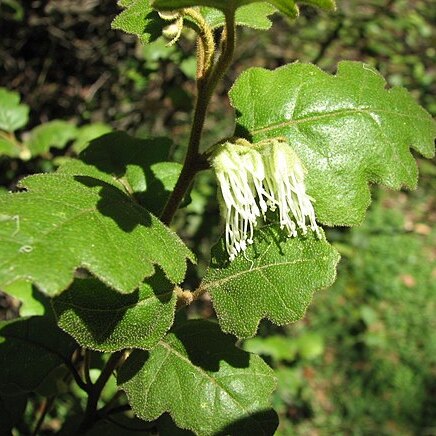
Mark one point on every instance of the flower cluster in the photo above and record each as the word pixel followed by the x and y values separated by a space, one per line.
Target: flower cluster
pixel 254 178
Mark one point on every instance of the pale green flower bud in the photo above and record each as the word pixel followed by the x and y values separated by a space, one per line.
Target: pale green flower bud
pixel 174 30
pixel 254 178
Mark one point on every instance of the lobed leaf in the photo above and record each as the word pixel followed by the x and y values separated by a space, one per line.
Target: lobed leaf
pixel 206 383
pixel 255 16
pixel 347 129
pixel 68 221
pixel 275 278
pixel 101 319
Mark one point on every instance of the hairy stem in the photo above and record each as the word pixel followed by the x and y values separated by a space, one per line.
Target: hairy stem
pixel 206 43
pixel 193 160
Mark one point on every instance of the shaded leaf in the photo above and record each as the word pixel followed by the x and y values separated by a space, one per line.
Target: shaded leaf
pixel 30 348
pixel 207 384
pixel 275 279
pixel 13 115
pixel 65 222
pixel 11 411
pixel 104 320
pixel 347 129
pixel 56 133
pixel 140 165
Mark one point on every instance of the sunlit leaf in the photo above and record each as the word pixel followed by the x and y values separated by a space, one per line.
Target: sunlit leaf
pixel 274 278
pixel 64 222
pixel 206 383
pixel 347 129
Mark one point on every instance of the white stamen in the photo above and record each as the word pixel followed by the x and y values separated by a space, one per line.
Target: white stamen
pixel 254 178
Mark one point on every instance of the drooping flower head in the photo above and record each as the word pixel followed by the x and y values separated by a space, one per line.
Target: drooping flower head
pixel 254 178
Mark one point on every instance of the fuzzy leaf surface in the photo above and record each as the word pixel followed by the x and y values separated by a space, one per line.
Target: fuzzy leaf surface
pixel 287 7
pixel 206 383
pixel 139 19
pixel 102 319
pixel 30 348
pixel 255 16
pixel 348 130
pixel 275 279
pixel 13 114
pixel 64 222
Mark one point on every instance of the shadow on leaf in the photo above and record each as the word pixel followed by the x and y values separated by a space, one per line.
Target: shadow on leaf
pixel 116 205
pixel 100 318
pixel 131 161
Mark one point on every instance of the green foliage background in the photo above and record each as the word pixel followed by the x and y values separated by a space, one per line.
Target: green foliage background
pixel 363 360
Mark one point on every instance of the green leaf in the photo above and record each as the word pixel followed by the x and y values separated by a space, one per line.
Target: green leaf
pixel 13 115
pixel 56 133
pixel 207 384
pixel 255 16
pixel 275 278
pixel 65 222
pixel 139 19
pixel 277 347
pixel 8 147
pixel 284 348
pixel 290 8
pixel 33 302
pixel 347 129
pixel 287 7
pixel 30 348
pixel 138 164
pixel 86 134
pixel 104 320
